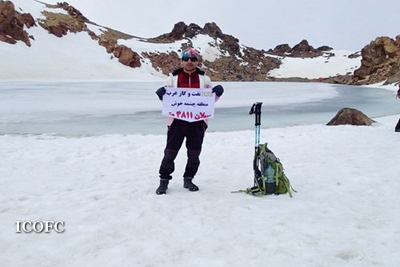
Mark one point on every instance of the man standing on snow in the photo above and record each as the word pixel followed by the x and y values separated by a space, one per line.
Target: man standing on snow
pixel 187 76
pixel 397 128
pixel 398 92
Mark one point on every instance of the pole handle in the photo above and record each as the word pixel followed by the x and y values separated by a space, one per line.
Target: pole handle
pixel 256 109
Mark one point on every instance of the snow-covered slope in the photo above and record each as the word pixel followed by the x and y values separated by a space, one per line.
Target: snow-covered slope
pixel 78 57
pixel 313 68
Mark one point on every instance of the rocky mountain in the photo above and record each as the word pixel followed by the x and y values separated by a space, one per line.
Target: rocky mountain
pixel 225 58
pixel 380 61
pixel 12 24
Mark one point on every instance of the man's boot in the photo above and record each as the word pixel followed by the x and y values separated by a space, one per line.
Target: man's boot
pixel 162 188
pixel 187 183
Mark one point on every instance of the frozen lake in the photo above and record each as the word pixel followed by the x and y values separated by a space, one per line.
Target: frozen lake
pixel 97 108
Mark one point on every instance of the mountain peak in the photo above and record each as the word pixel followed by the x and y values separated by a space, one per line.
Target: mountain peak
pixel 182 31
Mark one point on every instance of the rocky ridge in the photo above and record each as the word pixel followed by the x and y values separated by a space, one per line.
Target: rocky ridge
pixel 12 24
pixel 380 60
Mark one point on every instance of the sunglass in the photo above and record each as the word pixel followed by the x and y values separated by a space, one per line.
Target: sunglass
pixel 193 59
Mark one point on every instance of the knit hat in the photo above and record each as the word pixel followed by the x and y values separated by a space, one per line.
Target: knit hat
pixel 189 52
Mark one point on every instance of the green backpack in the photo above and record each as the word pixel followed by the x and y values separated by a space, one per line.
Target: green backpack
pixel 269 177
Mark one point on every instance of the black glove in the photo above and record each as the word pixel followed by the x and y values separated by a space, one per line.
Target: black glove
pixel 218 90
pixel 160 92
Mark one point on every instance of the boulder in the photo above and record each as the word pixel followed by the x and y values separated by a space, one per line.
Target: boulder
pixel 350 116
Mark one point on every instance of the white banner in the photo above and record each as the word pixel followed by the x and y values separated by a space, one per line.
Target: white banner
pixel 188 104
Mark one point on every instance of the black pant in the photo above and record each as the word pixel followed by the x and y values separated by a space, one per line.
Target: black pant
pixel 177 132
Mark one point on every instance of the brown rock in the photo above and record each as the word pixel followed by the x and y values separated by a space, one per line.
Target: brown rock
pixel 303 46
pixel 354 55
pixel 324 48
pixel 27 20
pixel 59 30
pixel 7 39
pixel 350 116
pixel 281 49
pixel 380 61
pixel 192 30
pixel 12 24
pixel 212 30
pixel 179 32
pixel 163 61
pixel 302 49
pixel 60 24
pixel 126 56
pixel 107 41
pixel 230 44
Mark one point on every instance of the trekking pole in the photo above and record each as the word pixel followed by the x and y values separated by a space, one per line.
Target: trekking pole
pixel 256 109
